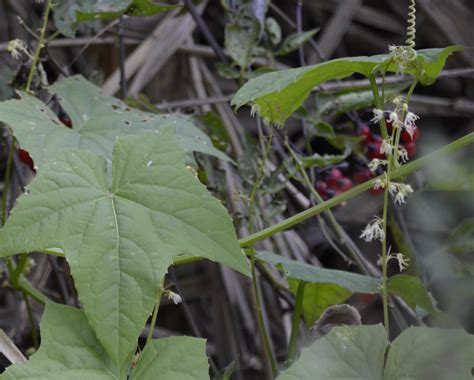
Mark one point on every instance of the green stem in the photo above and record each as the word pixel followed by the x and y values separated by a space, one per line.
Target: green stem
pixel 40 46
pixel 258 302
pixel 149 338
pixel 34 332
pixel 27 288
pixel 295 322
pixel 338 199
pixel 379 104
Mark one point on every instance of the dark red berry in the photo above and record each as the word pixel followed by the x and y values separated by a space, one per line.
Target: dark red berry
pixel 66 120
pixel 321 188
pixel 365 133
pixel 334 177
pixel 366 298
pixel 344 184
pixel 362 175
pixel 405 136
pixel 376 191
pixel 373 151
pixel 26 158
pixel 411 148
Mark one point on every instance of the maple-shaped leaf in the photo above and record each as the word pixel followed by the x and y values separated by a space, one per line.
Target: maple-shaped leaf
pixel 120 228
pixel 70 351
pixel 97 121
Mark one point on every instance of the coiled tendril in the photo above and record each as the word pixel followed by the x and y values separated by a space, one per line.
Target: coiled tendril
pixel 411 25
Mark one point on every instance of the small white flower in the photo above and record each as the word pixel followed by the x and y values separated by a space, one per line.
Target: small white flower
pixel 411 118
pixel 16 47
pixel 386 148
pixel 373 230
pixel 400 191
pixel 393 118
pixel 402 261
pixel 375 163
pixel 378 115
pixel 403 154
pixel 176 298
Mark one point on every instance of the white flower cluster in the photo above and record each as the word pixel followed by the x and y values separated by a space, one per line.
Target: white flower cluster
pixel 175 297
pixel 374 230
pixel 402 260
pixel 16 47
pixel 403 56
pixel 399 191
pixel 407 124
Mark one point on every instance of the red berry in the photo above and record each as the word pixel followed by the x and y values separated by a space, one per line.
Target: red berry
pixel 389 126
pixel 26 158
pixel 376 191
pixel 374 151
pixel 66 120
pixel 405 136
pixel 411 148
pixel 365 133
pixel 321 188
pixel 362 175
pixel 344 184
pixel 334 177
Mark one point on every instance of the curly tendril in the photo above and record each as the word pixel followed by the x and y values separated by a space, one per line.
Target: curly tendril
pixel 411 25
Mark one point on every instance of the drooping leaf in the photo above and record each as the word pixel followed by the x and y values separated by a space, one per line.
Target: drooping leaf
pixel 421 353
pixel 275 96
pixel 318 297
pixel 241 36
pixel 173 358
pixel 69 13
pixel 273 29
pixel 309 273
pixel 347 352
pixel 295 41
pixel 97 120
pixel 69 350
pixel 412 290
pixel 121 229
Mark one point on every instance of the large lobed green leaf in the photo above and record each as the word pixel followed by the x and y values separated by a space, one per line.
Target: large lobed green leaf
pixel 69 13
pixel 121 228
pixel 97 121
pixel 275 96
pixel 70 351
pixel 419 353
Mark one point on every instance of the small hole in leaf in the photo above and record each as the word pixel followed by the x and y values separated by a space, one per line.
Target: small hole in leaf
pixel 126 122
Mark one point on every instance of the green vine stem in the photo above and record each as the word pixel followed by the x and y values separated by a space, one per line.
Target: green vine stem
pixel 338 199
pixel 295 322
pixel 39 46
pixel 149 338
pixel 258 302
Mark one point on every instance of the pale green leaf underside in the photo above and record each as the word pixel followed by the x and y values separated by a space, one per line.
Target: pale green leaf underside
pixel 275 96
pixel 97 122
pixel 309 273
pixel 174 358
pixel 121 231
pixel 419 353
pixel 70 351
pixel 347 352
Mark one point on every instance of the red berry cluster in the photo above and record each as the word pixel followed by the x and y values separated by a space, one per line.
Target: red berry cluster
pixel 333 182
pixel 24 155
